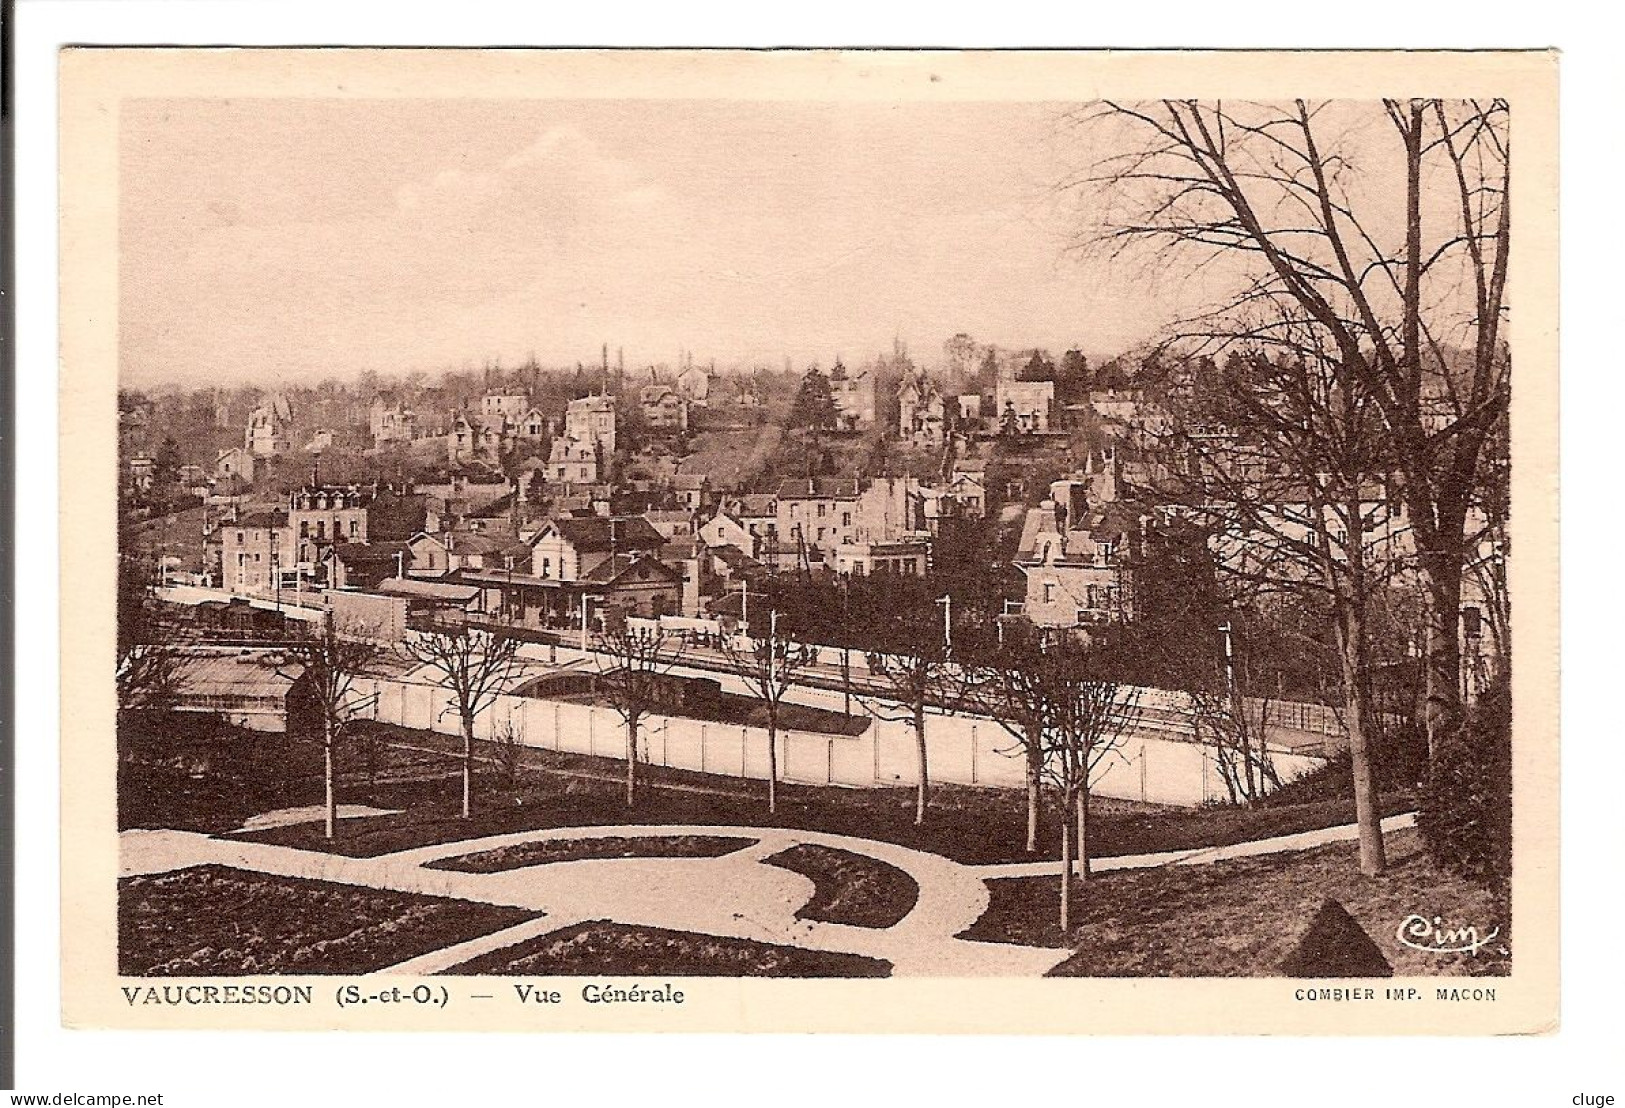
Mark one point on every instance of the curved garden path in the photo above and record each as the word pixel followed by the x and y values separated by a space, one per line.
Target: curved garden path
pixel 735 895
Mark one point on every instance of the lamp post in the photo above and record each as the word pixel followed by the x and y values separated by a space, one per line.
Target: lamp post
pixel 846 645
pixel 508 592
pixel 276 568
pixel 772 643
pixel 947 602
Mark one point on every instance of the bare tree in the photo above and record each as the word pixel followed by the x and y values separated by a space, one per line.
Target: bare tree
pixel 633 664
pixel 912 664
pixel 1088 713
pixel 326 665
pixel 1282 459
pixel 475 663
pixel 510 747
pixel 1002 682
pixel 147 670
pixel 769 667
pixel 1238 737
pixel 148 676
pixel 1300 201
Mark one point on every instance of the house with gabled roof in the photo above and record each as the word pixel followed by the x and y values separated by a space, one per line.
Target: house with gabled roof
pixel 922 413
pixel 235 462
pixel 582 564
pixel 568 548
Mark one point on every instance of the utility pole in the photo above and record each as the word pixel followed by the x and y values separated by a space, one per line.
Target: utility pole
pixel 846 647
pixel 508 558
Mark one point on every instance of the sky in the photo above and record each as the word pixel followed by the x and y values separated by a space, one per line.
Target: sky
pixel 296 240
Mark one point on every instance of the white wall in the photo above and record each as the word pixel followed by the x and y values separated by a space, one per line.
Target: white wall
pixel 960 750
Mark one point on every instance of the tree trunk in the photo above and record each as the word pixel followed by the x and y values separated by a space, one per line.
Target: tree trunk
pixel 631 761
pixel 468 765
pixel 1367 805
pixel 1066 875
pixel 1035 790
pixel 1442 660
pixel 1082 803
pixel 922 792
pixel 772 765
pixel 332 807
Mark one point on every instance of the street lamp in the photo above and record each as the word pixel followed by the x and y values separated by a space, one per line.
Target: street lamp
pixel 276 568
pixel 508 592
pixel 947 602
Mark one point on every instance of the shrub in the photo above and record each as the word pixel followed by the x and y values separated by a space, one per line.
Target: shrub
pixel 1465 814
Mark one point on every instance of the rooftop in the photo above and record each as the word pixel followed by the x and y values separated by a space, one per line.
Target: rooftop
pixel 428 590
pixel 599 533
pixel 819 488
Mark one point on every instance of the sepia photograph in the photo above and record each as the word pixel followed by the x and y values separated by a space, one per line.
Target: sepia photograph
pixel 645 530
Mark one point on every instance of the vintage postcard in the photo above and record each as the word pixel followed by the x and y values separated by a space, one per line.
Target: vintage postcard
pixel 809 541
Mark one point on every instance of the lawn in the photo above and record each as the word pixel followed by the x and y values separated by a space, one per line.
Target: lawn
pixel 849 888
pixel 626 950
pixel 548 851
pixel 972 825
pixel 192 773
pixel 211 921
pixel 1242 918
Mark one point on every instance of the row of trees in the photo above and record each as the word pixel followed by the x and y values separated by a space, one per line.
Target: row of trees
pixel 1363 396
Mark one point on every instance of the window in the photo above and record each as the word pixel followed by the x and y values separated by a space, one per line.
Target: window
pixel 321 529
pixel 1049 592
pixel 846 519
pixel 304 528
pixel 547 567
pixel 1105 550
pixel 241 560
pixel 355 528
pixel 821 511
pixel 239 538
